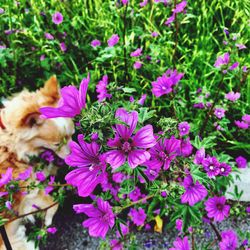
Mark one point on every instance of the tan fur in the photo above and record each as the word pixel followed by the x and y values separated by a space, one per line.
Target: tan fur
pixel 26 134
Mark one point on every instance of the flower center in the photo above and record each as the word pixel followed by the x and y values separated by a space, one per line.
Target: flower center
pixel 211 167
pixel 222 169
pixel 126 147
pixel 105 217
pixel 152 172
pixel 219 206
pixel 162 156
pixel 164 88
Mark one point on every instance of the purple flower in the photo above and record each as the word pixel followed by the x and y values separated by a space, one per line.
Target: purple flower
pixel 137 65
pixel 154 34
pixel 216 208
pixel 231 96
pixel 152 170
pixel 183 128
pixel 248 209
pixel 1 11
pixel 94 136
pixel 199 156
pixel 71 102
pixel 180 7
pixel 143 3
pixel 116 245
pixel 240 46
pixel 101 217
pixel 6 177
pixel 135 194
pixel 186 147
pixel 48 36
pixel 48 156
pixel 244 69
pixel 241 162
pixel 52 230
pixel 124 2
pixel 63 47
pixel 42 57
pixel 170 20
pixel 225 169
pixel 181 244
pixel 194 192
pixel 199 105
pixel 8 205
pixel 241 124
pixel 138 216
pixel 90 167
pixel 25 175
pixel 219 112
pixel 164 152
pixel 211 166
pixel 165 83
pixel 113 40
pixel 136 53
pixel 127 145
pixel 118 177
pixel 95 43
pixel 222 60
pixel 40 176
pixel 178 224
pixel 50 187
pixel 246 118
pixel 234 66
pixel 101 89
pixel 229 240
pixel 57 18
pixel 142 99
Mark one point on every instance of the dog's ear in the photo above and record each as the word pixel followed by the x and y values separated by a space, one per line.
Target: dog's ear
pixel 31 120
pixel 51 88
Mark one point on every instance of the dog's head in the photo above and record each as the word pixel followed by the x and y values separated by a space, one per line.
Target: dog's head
pixel 25 132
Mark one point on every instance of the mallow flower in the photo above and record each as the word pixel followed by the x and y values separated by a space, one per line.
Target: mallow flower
pixel 90 166
pixel 229 240
pixel 101 217
pixel 181 244
pixel 222 60
pixel 70 104
pixel 126 144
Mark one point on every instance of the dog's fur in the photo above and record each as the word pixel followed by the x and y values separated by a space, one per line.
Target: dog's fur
pixel 26 134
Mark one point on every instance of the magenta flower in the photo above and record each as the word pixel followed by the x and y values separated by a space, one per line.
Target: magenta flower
pixel 225 169
pixel 136 53
pixel 216 208
pixel 40 176
pixel 101 89
pixel 241 124
pixel 101 217
pixel 95 43
pixel 211 166
pixel 52 230
pixel 90 167
pixel 63 47
pixel 48 36
pixel 42 57
pixel 183 128
pixel 71 102
pixel 194 192
pixel 231 96
pixel 50 187
pixel 129 146
pixel 124 2
pixel 138 216
pixel 143 3
pixel 113 40
pixel 137 65
pixel 154 34
pixel 170 20
pixel 229 240
pixel 116 245
pixel 240 46
pixel 165 83
pixel 199 156
pixel 180 7
pixel 222 60
pixel 142 99
pixel 246 118
pixel 25 175
pixel 219 112
pixel 181 244
pixel 8 205
pixel 186 147
pixel 164 152
pixel 178 224
pixel 57 18
pixel 152 170
pixel 241 162
pixel 234 66
pixel 135 194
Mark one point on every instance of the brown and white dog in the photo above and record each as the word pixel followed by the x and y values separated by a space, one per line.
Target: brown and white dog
pixel 23 133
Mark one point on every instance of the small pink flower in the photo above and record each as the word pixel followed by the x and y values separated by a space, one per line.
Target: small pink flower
pixel 57 18
pixel 63 47
pixel 137 65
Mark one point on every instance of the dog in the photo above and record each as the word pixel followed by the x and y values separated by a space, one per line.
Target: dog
pixel 23 133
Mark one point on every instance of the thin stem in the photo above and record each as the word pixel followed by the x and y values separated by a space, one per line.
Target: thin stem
pixel 33 212
pixel 176 35
pixel 209 113
pixel 124 42
pixel 193 244
pixel 216 231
